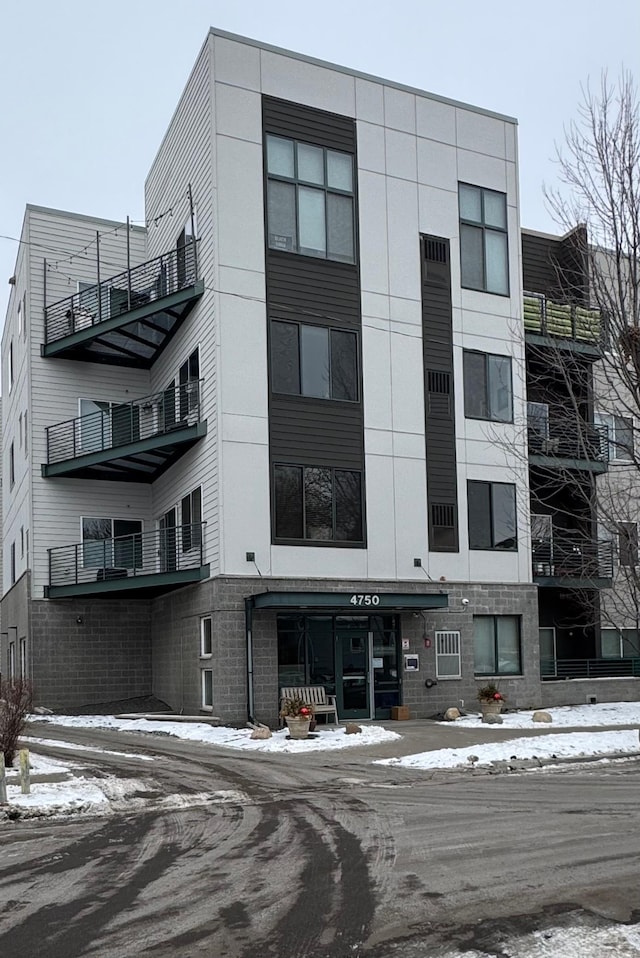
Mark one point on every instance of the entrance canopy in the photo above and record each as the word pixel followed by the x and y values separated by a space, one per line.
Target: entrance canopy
pixel 349 601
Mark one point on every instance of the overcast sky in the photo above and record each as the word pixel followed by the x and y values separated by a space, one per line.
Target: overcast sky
pixel 88 87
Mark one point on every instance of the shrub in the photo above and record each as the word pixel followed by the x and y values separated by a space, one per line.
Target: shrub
pixel 296 707
pixel 15 705
pixel 490 693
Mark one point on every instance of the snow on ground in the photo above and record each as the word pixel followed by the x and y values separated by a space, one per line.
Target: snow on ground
pixel 579 941
pixel 568 716
pixel 81 792
pixel 564 745
pixel 329 738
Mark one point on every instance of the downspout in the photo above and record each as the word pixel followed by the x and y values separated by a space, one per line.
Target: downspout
pixel 248 628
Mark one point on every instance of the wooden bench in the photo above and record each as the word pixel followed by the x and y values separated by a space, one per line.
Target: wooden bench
pixel 315 695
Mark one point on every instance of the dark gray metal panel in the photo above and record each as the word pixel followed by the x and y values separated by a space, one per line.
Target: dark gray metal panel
pixel 440 429
pixel 556 266
pixel 317 291
pixel 330 130
pixel 316 433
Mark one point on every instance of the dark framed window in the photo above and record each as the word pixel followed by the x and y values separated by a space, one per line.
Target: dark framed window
pixel 188 379
pixel 12 466
pixel 627 543
pixel 497 645
pixel 108 543
pixel 492 515
pixel 206 636
pixel 318 503
pixel 207 689
pixel 314 361
pixel 484 257
pixel 310 200
pixel 488 392
pixel 191 515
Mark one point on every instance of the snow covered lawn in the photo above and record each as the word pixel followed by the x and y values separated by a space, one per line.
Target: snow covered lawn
pixel 567 716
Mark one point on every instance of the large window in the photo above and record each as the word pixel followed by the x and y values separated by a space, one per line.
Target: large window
pixel 496 645
pixel 310 200
pixel 318 503
pixel 492 515
pixel 627 543
pixel 314 361
pixel 621 445
pixel 620 643
pixel 487 387
pixel 188 377
pixel 484 259
pixel 111 543
pixel 206 678
pixel 206 637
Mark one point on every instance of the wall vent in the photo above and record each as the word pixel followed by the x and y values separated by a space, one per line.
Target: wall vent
pixel 435 251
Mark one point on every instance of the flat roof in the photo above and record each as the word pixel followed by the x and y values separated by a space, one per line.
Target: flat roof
pixel 357 73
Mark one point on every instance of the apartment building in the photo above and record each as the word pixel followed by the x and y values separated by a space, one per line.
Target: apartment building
pixel 275 437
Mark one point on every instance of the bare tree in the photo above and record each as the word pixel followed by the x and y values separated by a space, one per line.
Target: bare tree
pixel 593 407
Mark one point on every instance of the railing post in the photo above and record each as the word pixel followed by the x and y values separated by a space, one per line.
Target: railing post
pixel 98 276
pixel 75 549
pixel 49 559
pixel 128 266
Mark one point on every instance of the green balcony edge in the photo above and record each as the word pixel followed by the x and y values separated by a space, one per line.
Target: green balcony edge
pixel 569 582
pixel 60 346
pixel 595 350
pixel 158 581
pixel 68 466
pixel 558 462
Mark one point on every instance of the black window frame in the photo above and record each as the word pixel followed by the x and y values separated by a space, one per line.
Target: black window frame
pixel 491 515
pixel 332 542
pixel 496 651
pixel 485 228
pixel 627 533
pixel 327 190
pixel 330 331
pixel 191 530
pixel 487 357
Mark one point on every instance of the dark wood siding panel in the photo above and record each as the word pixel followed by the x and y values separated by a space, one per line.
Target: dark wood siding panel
pixel 316 434
pixel 330 130
pixel 440 429
pixel 300 287
pixel 556 266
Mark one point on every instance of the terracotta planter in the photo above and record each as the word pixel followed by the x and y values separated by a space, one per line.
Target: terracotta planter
pixel 491 708
pixel 298 727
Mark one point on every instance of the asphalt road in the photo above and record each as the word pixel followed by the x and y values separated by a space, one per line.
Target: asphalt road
pixel 318 856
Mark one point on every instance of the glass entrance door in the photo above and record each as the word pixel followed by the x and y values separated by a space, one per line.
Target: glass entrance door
pixel 353 673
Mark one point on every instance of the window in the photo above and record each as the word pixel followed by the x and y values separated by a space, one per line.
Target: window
pixel 487 387
pixel 188 377
pixel 207 689
pixel 621 445
pixel 627 543
pixel 448 655
pixel 206 636
pixel 20 430
pixel 318 503
pixel 111 543
pixel 620 643
pixel 484 260
pixel 492 515
pixel 24 316
pixel 496 645
pixel 310 200
pixel 22 542
pixel 12 466
pixel 13 563
pixel 12 660
pixel 10 365
pixel 20 318
pixel 192 520
pixel 185 260
pixel 314 361
pixel 23 658
pixel 26 434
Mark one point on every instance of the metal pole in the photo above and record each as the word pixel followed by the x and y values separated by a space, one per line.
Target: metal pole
pixel 128 266
pixel 3 781
pixel 44 293
pixel 193 233
pixel 98 276
pixel 248 620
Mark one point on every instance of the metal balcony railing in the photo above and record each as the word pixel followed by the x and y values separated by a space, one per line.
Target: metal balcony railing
pixel 121 423
pixel 572 557
pixel 589 668
pixel 561 439
pixel 140 554
pixel 562 320
pixel 143 284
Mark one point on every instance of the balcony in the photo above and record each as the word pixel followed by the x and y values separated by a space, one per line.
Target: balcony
pixel 128 319
pixel 556 443
pixel 562 325
pixel 571 560
pixel 130 442
pixel 143 564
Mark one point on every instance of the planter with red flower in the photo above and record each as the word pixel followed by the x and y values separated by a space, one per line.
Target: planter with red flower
pixel 298 715
pixel 491 699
